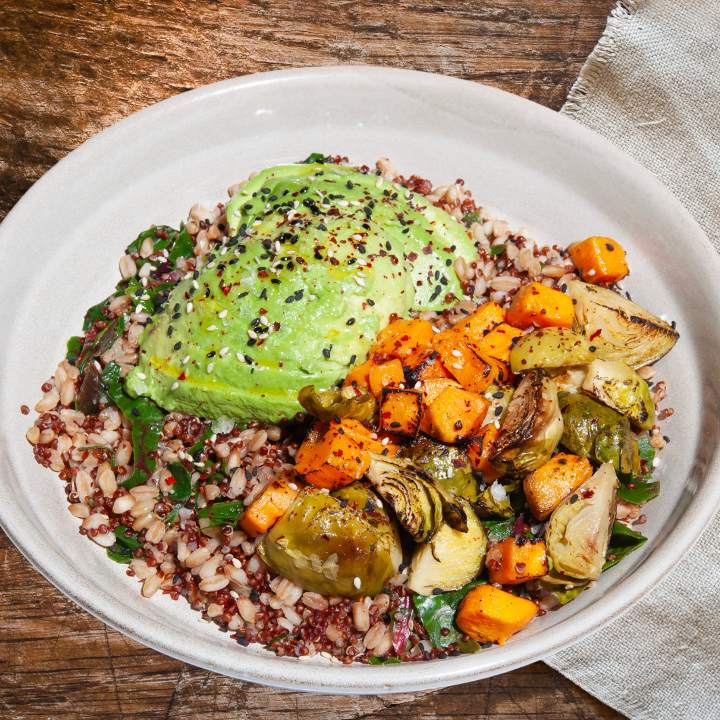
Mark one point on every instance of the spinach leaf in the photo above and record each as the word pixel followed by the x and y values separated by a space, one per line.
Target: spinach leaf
pixel 500 529
pixel 200 444
pixel 94 314
pixel 471 217
pixel 438 612
pixel 646 452
pixel 642 492
pixel 182 247
pixel 314 158
pixel 111 373
pixel 224 513
pixel 622 542
pixel 497 249
pixel 182 487
pixel 121 550
pixel 74 348
pixel 147 424
pixel 387 661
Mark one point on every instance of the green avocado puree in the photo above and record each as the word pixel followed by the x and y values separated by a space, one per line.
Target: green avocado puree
pixel 316 259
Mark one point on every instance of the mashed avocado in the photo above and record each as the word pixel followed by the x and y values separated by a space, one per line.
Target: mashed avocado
pixel 317 258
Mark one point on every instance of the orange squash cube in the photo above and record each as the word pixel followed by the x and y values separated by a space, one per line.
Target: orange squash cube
pixel 479 449
pixel 551 483
pixel 498 342
pixel 492 615
pixel 485 318
pixel 270 506
pixel 359 376
pixel 335 461
pixel 456 414
pixel 404 338
pixel 522 559
pixel 599 260
pixel 400 411
pixel 426 366
pixel 366 438
pixel 389 374
pixel 430 389
pixel 311 440
pixel 541 306
pixel 472 371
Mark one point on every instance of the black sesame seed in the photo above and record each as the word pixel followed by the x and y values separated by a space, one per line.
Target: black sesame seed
pixel 361 249
pixel 344 503
pixel 290 298
pixel 265 191
pixel 498 411
pixel 135 412
pixel 385 451
pixel 326 353
pixel 395 425
pixel 592 348
pixel 349 185
pixel 370 302
pixel 299 294
pixel 177 346
pixel 251 342
pixel 609 247
pixel 486 645
pixel 177 307
pixel 437 591
pixel 352 359
pixel 170 331
pixel 211 354
pixel 248 360
pixel 455 653
pixel 573 499
pixel 275 281
pixel 176 316
pixel 498 395
pixel 388 246
pixel 318 256
pixel 351 321
pixel 322 227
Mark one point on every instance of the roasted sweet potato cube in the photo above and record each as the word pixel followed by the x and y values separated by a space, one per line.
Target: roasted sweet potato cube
pixel 541 306
pixel 498 342
pixel 388 374
pixel 516 560
pixel 492 615
pixel 400 411
pixel 473 372
pixel 367 438
pixel 479 449
pixel 426 366
pixel 456 414
pixel 404 338
pixel 430 389
pixel 551 483
pixel 336 460
pixel 270 506
pixel 599 259
pixel 485 318
pixel 316 431
pixel 359 376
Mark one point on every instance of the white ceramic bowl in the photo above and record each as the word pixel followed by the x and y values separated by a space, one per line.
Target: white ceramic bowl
pixel 61 245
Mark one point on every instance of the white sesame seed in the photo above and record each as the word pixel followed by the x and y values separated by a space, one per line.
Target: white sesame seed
pixel 256 223
pixel 360 282
pixel 418 385
pixel 457 366
pixel 357 582
pixel 240 357
pixel 210 367
pixel 195 285
pixel 356 203
pixel 223 251
pixel 189 307
pixel 591 273
pixel 233 594
pixel 296 203
pixel 292 486
pixel 211 328
pixel 378 182
pixel 497 424
pixel 97 365
pixel 343 203
pixel 142 376
pixel 656 462
pixel 330 253
pixel 360 273
pixel 277 246
pixel 139 308
pixel 236 563
pixel 378 503
pixel 291 214
pixel 263 336
pixel 199 463
pixel 144 282
pixel 222 314
pixel 213 437
pixel 181 455
pixel 186 360
pixel 457 353
pixel 145 296
pixel 252 334
pixel 210 265
pixel 360 261
pixel 385 441
pixel 223 351
pixel 187 276
pixel 312 297
pixel 175 386
pixel 264 320
pixel 357 237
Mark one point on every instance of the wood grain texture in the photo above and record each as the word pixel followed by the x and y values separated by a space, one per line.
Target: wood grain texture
pixel 70 69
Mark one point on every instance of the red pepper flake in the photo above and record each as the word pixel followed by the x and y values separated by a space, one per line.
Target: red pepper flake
pixel 226 288
pixel 263 311
pixel 595 334
pixel 263 274
pixel 182 376
pixel 170 481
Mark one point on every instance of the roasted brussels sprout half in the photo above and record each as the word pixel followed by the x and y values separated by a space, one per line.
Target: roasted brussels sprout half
pixel 499 397
pixel 618 328
pixel 326 404
pixel 451 559
pixel 622 389
pixel 532 427
pixel 419 501
pixel 333 547
pixel 579 530
pixel 448 464
pixel 597 432
pixel 569 380
pixel 495 500
pixel 550 348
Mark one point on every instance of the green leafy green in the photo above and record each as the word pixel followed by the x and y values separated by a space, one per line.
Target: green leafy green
pixel 223 513
pixel 200 444
pixel 387 661
pixel 93 314
pixel 74 348
pixel 95 346
pixel 182 487
pixel 471 217
pixel 560 590
pixel 111 373
pixel 183 246
pixel 646 452
pixel 623 541
pixel 499 529
pixel 641 493
pixel 315 158
pixel 121 551
pixel 147 424
pixel 87 399
pixel 497 249
pixel 437 612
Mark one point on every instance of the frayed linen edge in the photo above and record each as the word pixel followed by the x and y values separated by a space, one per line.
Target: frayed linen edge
pixel 604 51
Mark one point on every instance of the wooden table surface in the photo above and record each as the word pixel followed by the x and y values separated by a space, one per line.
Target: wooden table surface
pixel 69 69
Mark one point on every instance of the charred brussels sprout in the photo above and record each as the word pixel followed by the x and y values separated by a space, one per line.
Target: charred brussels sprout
pixel 499 397
pixel 618 328
pixel 495 500
pixel 448 464
pixel 550 348
pixel 326 404
pixel 419 501
pixel 451 559
pixel 579 530
pixel 598 432
pixel 330 542
pixel 622 389
pixel 532 427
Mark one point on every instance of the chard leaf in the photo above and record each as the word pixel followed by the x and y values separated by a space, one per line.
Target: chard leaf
pixel 438 612
pixel 471 217
pixel 87 399
pixel 500 529
pixel 497 249
pixel 182 487
pixel 74 348
pixel 646 452
pixel 182 247
pixel 121 550
pixel 111 373
pixel 314 158
pixel 95 346
pixel 387 661
pixel 223 513
pixel 94 314
pixel 641 493
pixel 622 542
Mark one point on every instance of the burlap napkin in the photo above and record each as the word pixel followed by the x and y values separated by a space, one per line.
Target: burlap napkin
pixel 652 87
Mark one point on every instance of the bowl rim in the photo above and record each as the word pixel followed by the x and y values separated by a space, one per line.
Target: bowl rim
pixel 688 522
